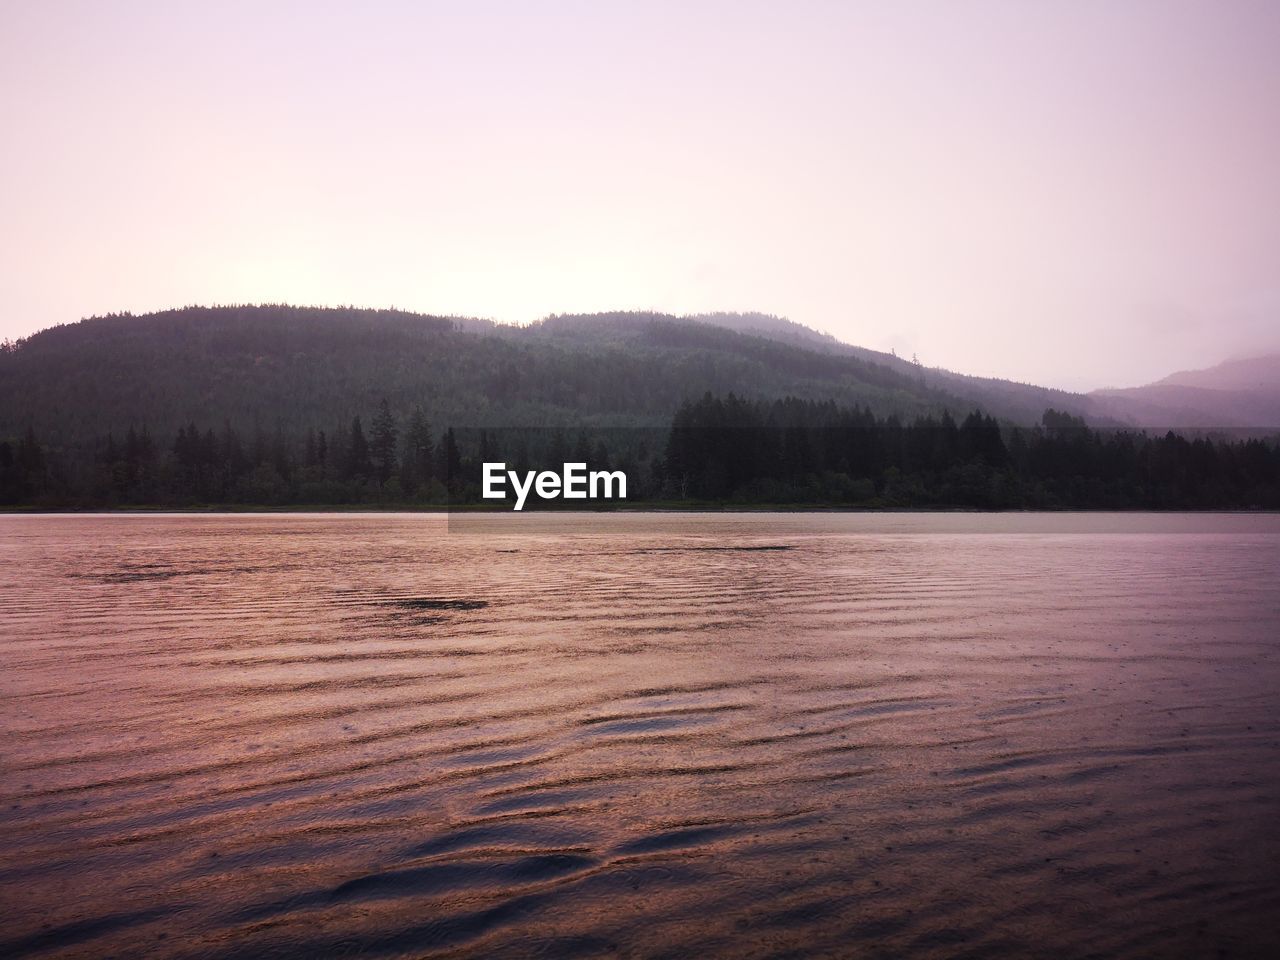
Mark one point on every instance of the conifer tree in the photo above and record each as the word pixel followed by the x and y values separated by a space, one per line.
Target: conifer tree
pixel 418 464
pixel 359 465
pixel 451 461
pixel 382 444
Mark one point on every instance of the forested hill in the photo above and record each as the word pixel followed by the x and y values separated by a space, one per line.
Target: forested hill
pixel 1243 392
pixel 296 368
pixel 1016 401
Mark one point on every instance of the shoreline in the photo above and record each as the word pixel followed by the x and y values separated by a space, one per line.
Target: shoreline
pixel 664 508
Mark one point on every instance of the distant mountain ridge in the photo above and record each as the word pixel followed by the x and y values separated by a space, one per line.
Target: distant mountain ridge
pixel 295 368
pixel 994 390
pixel 1239 393
pixel 300 367
pixel 1243 373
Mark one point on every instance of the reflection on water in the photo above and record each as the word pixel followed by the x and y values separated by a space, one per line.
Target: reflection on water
pixel 312 736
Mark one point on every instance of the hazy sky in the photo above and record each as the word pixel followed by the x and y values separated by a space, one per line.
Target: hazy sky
pixel 1075 193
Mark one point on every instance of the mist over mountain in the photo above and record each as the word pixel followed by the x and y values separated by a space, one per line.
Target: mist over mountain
pixel 1018 401
pixel 1261 374
pixel 1242 393
pixel 1239 393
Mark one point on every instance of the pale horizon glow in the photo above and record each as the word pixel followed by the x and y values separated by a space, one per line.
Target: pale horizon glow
pixel 1072 194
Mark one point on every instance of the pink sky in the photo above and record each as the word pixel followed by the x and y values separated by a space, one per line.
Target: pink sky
pixel 1075 193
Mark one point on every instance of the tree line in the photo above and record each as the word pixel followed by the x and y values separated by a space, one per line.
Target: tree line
pixel 346 463
pixel 716 450
pixel 800 451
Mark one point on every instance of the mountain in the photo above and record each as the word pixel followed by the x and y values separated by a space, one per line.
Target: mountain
pixel 1240 393
pixel 1016 401
pixel 1256 374
pixel 1237 394
pixel 279 405
pixel 296 368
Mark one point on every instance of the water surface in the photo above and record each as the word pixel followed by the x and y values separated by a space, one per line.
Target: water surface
pixel 637 735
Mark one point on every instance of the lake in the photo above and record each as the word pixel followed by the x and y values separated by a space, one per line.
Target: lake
pixel 643 735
